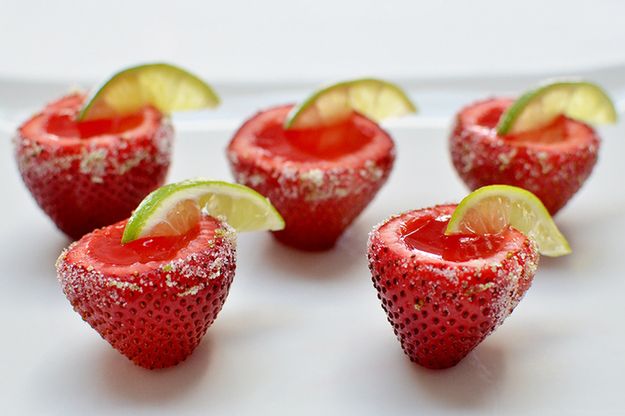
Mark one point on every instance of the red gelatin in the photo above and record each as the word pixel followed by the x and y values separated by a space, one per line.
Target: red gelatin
pixel 327 144
pixel 552 162
pixel 427 234
pixel 107 247
pixel 318 179
pixel 85 175
pixel 103 248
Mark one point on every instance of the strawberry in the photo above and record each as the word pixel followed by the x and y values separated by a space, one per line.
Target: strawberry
pixel 318 179
pixel 445 294
pixel 552 162
pixel 85 175
pixel 154 298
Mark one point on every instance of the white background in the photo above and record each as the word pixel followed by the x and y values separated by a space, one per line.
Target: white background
pixel 280 40
pixel 301 333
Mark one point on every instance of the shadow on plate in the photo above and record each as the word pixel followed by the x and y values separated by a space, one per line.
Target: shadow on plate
pixel 123 379
pixel 35 261
pixel 349 252
pixel 589 247
pixel 471 383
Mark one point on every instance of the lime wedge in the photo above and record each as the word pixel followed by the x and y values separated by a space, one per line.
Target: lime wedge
pixel 490 209
pixel 164 86
pixel 374 98
pixel 579 100
pixel 175 208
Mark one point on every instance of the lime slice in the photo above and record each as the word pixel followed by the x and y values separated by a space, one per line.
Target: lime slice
pixel 175 208
pixel 580 100
pixel 374 98
pixel 490 209
pixel 164 86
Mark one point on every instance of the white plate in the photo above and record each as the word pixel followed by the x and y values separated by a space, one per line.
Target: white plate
pixel 304 334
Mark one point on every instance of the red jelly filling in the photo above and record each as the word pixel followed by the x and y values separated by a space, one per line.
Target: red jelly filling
pixel 427 234
pixel 66 126
pixel 107 247
pixel 62 122
pixel 330 142
pixel 559 130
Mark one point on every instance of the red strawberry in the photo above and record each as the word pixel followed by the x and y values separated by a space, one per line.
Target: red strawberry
pixel 85 175
pixel 445 294
pixel 151 299
pixel 319 180
pixel 552 162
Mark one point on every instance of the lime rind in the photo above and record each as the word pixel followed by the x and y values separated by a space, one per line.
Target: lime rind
pixel 372 97
pixel 490 209
pixel 162 85
pixel 580 100
pixel 224 200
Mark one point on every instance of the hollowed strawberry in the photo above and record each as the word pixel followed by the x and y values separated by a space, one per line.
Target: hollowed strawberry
pixel 444 294
pixel 154 298
pixel 85 175
pixel 318 179
pixel 552 162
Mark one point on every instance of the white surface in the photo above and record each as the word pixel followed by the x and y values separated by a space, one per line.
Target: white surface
pixel 304 334
pixel 300 333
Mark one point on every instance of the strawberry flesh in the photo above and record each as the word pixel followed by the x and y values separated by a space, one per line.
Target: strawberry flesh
pixel 444 294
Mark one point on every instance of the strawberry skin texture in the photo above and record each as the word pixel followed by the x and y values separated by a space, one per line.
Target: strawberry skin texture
pixel 552 169
pixel 318 198
pixel 441 310
pixel 157 313
pixel 86 183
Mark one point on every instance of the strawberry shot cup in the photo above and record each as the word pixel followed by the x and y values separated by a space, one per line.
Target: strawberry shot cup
pixel 541 142
pixel 448 276
pixel 88 161
pixel 153 284
pixel 322 162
